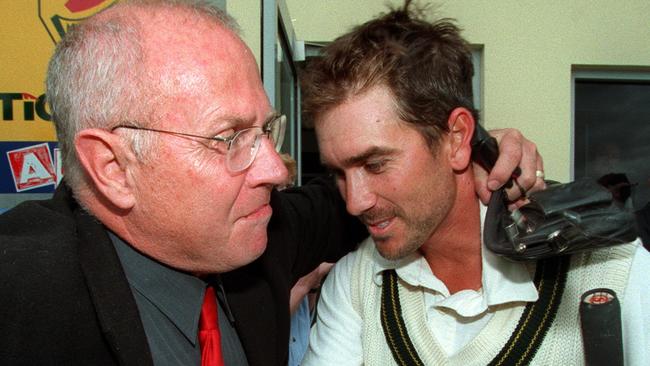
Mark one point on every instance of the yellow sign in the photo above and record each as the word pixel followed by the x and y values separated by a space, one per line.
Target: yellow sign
pixel 30 31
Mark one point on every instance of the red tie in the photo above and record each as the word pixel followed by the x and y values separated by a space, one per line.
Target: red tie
pixel 209 335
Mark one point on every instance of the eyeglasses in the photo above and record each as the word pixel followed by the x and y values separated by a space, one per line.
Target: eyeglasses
pixel 242 146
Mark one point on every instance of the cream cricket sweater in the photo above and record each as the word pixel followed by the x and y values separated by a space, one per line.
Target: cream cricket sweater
pixel 562 345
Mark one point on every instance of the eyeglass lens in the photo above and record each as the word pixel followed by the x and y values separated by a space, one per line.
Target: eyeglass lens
pixel 246 144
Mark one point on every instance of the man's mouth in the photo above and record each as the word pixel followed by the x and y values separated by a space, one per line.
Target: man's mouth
pixel 380 224
pixel 263 211
pixel 378 227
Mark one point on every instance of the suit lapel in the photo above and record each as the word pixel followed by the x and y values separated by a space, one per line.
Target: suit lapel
pixel 111 295
pixel 254 309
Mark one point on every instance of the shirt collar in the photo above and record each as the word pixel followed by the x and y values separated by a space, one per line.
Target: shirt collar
pixel 178 295
pixel 503 281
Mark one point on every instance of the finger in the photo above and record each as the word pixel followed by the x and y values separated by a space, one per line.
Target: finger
pixel 540 163
pixel 516 194
pixel 516 191
pixel 480 184
pixel 510 154
pixel 530 180
pixel 528 164
pixel 540 183
pixel 517 204
pixel 324 268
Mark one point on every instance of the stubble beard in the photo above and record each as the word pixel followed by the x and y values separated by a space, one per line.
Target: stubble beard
pixel 417 231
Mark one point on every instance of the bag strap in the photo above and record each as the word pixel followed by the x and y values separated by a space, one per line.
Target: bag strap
pixel 534 323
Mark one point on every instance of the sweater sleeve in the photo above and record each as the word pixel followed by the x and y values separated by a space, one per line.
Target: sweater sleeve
pixel 336 337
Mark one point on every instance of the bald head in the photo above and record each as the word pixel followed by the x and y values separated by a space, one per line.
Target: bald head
pixel 115 66
pixel 199 33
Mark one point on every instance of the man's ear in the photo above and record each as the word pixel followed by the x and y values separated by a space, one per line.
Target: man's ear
pixel 461 128
pixel 104 158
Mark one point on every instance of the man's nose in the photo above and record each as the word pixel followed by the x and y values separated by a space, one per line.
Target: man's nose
pixel 359 196
pixel 267 168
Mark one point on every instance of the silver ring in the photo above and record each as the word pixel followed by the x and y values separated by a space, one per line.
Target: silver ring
pixel 539 174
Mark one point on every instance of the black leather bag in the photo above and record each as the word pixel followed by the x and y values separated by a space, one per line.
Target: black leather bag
pixel 563 219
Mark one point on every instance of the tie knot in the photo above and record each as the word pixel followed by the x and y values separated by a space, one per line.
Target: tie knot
pixel 209 315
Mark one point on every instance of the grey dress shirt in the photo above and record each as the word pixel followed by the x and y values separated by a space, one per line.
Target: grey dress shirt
pixel 169 303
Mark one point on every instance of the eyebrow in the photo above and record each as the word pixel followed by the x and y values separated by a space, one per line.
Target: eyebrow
pixel 250 122
pixel 273 114
pixel 361 158
pixel 239 122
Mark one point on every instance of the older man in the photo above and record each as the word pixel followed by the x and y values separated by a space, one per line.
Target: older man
pixel 392 103
pixel 169 147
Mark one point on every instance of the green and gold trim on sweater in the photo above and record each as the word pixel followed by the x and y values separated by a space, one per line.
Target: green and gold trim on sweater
pixel 535 321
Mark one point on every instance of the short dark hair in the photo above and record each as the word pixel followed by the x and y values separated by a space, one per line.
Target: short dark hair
pixel 426 65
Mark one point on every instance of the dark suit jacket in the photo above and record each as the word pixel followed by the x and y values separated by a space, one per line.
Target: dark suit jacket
pixel 64 298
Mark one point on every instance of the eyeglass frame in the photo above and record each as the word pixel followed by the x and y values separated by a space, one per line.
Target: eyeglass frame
pixel 266 129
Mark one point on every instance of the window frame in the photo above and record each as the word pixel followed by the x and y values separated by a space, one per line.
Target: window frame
pixel 605 74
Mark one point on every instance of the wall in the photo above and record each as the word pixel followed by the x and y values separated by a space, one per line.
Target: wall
pixel 530 48
pixel 247 13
